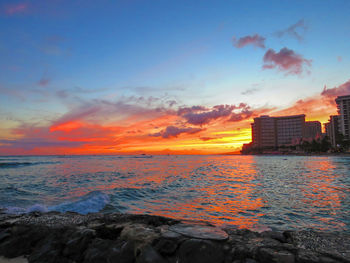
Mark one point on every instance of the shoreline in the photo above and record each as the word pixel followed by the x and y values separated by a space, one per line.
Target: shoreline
pixel 302 154
pixel 115 237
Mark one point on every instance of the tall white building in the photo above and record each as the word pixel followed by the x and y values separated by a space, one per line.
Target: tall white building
pixel 332 130
pixel 343 104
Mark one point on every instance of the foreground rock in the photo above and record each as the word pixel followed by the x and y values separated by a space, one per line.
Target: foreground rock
pixel 70 237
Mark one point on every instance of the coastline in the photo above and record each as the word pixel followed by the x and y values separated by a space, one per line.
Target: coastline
pixel 115 237
pixel 301 154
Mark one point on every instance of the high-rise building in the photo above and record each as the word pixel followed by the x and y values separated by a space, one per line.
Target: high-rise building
pixel 312 130
pixel 277 131
pixel 343 104
pixel 289 129
pixel 264 132
pixel 332 130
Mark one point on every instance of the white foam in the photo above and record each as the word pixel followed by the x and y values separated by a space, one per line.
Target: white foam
pixel 89 203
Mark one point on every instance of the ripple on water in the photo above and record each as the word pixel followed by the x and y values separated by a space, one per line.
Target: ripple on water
pixel 246 191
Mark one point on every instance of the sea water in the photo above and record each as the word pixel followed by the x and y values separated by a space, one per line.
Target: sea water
pixel 255 192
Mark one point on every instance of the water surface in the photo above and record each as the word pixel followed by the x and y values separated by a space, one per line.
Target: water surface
pixel 277 192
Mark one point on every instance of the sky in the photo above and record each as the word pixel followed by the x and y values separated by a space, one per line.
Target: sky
pixel 164 77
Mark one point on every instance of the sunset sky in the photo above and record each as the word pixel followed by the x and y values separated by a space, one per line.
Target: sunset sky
pixel 143 76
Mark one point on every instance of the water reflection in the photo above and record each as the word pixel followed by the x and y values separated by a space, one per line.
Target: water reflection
pixel 246 191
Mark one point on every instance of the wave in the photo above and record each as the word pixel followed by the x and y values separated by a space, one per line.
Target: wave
pixel 14 164
pixel 20 164
pixel 90 203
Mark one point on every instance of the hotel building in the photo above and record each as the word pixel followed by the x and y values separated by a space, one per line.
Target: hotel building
pixel 332 130
pixel 312 130
pixel 343 104
pixel 277 131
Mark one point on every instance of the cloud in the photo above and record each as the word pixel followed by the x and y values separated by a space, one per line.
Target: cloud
pixel 32 143
pixel 199 115
pixel 341 90
pixel 129 124
pixel 185 110
pixel 246 113
pixel 285 60
pixel 294 30
pixel 250 91
pixel 124 110
pixel 319 106
pixel 16 8
pixel 172 131
pixel 44 81
pixel 208 138
pixel 255 40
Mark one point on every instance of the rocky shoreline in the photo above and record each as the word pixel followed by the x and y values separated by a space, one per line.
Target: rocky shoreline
pixel 71 237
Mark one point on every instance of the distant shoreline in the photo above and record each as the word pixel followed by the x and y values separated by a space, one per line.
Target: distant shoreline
pixel 303 154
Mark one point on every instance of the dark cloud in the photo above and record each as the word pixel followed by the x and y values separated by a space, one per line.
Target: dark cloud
pixel 255 40
pixel 199 115
pixel 285 60
pixel 208 138
pixel 185 110
pixel 44 81
pixel 171 102
pixel 250 91
pixel 246 113
pixel 296 30
pixel 172 131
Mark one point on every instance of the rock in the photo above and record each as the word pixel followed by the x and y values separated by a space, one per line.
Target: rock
pixel 47 251
pixel 200 231
pixel 111 231
pixel 149 255
pixel 328 260
pixel 140 234
pixel 269 255
pixel 249 247
pixel 4 234
pixel 78 243
pixel 70 237
pixel 167 246
pixel 170 234
pixel 336 245
pixel 275 235
pixel 197 250
pixel 21 241
pixel 124 254
pixel 307 256
pixel 98 251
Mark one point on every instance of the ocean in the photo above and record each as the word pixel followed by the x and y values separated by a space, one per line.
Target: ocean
pixel 255 192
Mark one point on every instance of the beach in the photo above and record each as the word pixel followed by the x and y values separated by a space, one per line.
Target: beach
pixel 114 237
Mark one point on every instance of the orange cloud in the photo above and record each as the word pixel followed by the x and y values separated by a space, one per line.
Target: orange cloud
pixel 136 126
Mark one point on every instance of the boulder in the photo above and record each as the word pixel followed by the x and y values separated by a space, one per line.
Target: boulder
pixel 198 250
pixel 150 255
pixel 269 255
pixel 200 231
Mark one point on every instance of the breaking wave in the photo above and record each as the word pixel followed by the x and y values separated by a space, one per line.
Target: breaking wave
pixel 92 202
